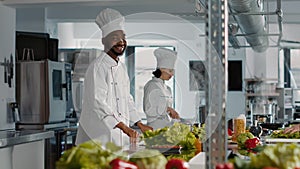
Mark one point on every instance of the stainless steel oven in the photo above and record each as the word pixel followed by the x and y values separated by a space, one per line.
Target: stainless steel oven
pixel 41 91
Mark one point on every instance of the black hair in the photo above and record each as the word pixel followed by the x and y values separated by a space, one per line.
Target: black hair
pixel 157 73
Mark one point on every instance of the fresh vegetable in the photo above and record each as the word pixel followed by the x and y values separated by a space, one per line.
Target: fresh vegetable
pixel 198 145
pixel 225 166
pixel 251 143
pixel 118 163
pixel 283 156
pixel 90 155
pixel 247 144
pixel 148 159
pixel 199 132
pixel 176 163
pixel 185 155
pixel 229 132
pixel 220 166
pixel 178 134
pixel 241 139
pixel 280 134
pixel 166 136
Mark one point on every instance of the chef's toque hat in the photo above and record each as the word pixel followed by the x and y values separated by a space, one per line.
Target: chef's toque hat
pixel 166 58
pixel 110 20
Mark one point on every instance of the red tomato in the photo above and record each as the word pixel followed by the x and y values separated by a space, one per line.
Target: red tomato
pixel 251 143
pixel 175 163
pixel 228 166
pixel 122 164
pixel 220 166
pixel 230 132
pixel 225 166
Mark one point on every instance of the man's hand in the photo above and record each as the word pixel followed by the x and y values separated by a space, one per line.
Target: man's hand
pixel 133 135
pixel 172 113
pixel 293 129
pixel 143 127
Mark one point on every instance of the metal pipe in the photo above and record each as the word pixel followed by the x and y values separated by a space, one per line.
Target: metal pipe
pixel 252 25
pixel 279 18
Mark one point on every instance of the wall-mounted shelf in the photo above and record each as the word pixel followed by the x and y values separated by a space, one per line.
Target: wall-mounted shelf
pixel 262 94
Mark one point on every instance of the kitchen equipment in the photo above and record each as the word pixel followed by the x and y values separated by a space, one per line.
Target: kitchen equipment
pixel 69 99
pixel 285 104
pixel 272 126
pixel 40 44
pixel 296 104
pixel 77 93
pixel 265 111
pixel 41 91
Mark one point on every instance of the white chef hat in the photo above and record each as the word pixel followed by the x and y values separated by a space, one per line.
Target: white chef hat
pixel 166 58
pixel 110 20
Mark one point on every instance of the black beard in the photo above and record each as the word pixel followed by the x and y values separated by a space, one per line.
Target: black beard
pixel 116 53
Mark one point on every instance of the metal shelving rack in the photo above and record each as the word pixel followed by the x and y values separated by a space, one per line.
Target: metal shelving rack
pixel 216 58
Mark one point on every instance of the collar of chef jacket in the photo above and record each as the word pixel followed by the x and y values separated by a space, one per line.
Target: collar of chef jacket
pixel 109 60
pixel 158 79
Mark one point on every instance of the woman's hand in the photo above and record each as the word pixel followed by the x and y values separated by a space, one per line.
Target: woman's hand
pixel 133 134
pixel 172 113
pixel 293 129
pixel 143 127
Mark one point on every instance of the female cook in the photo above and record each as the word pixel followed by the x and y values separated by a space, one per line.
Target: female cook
pixel 157 101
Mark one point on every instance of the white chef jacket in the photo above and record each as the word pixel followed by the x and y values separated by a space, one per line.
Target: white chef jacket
pixel 157 98
pixel 106 102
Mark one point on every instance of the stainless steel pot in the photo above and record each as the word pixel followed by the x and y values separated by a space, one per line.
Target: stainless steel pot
pixel 269 109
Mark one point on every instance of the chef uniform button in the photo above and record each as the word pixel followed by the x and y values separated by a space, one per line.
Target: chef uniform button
pixel 116 83
pixel 119 114
pixel 111 83
pixel 118 99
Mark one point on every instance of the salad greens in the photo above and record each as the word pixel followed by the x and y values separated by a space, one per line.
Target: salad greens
pixel 178 134
pixel 90 155
pixel 199 132
pixel 185 155
pixel 283 156
pixel 148 159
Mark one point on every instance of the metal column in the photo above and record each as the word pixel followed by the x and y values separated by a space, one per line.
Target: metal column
pixel 216 59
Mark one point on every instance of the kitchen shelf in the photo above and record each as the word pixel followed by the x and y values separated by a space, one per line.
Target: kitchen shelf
pixel 288 107
pixel 267 80
pixel 262 94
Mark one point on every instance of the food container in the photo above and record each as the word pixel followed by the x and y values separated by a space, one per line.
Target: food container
pixel 239 126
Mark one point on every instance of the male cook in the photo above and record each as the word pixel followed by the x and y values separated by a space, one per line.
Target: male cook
pixel 108 108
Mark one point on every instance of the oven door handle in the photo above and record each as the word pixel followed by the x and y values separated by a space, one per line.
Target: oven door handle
pixel 65 86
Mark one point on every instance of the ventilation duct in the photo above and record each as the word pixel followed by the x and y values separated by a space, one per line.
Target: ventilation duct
pixel 246 14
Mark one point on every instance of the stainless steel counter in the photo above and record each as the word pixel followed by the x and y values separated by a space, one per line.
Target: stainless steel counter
pixel 14 137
